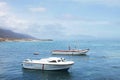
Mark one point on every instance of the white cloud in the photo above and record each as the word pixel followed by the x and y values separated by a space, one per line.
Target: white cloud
pixel 38 9
pixel 9 20
pixel 3 9
pixel 68 16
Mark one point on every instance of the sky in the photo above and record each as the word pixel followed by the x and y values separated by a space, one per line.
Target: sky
pixel 62 19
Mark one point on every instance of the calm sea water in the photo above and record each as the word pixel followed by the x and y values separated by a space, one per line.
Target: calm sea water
pixel 101 63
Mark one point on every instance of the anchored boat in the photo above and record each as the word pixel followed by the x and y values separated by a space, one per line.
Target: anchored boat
pixel 51 63
pixel 71 52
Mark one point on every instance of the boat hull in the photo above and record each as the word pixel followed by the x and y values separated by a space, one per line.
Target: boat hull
pixel 70 52
pixel 46 66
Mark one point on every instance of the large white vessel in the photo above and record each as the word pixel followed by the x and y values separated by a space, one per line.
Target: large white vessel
pixel 71 52
pixel 51 63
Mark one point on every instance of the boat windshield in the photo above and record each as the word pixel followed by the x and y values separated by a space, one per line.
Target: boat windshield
pixel 62 59
pixel 54 61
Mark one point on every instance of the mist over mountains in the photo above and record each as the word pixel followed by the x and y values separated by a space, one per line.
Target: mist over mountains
pixel 4 33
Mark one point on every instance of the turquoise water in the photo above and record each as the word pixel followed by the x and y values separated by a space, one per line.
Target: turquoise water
pixel 101 63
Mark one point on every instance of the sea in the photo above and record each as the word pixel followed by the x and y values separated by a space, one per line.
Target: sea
pixel 102 62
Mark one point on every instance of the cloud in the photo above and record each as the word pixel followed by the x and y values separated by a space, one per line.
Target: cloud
pixel 68 16
pixel 3 9
pixel 53 30
pixel 63 29
pixel 9 20
pixel 78 20
pixel 38 9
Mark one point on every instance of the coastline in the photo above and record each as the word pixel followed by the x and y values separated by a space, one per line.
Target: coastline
pixel 22 39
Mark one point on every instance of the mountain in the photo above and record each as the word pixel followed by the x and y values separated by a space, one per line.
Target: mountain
pixel 10 34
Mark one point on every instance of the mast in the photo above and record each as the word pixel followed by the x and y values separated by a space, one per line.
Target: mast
pixel 69 48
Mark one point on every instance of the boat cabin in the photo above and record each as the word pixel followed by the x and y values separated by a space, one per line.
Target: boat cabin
pixel 56 60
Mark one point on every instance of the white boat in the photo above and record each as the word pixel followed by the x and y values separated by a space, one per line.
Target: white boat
pixel 71 52
pixel 51 63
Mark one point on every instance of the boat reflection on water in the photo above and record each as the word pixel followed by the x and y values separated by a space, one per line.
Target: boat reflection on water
pixel 45 75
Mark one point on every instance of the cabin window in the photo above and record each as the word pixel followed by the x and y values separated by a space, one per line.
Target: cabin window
pixel 62 60
pixel 53 61
pixel 59 60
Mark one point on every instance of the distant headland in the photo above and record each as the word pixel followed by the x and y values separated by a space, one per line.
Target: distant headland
pixel 9 36
pixel 22 40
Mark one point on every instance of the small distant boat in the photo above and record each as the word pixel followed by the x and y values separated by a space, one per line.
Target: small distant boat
pixel 51 63
pixel 36 53
pixel 71 52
